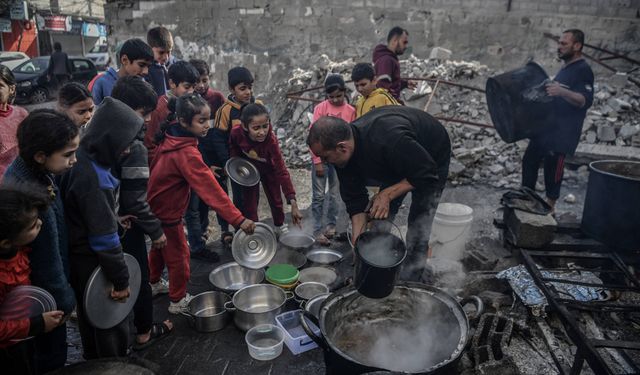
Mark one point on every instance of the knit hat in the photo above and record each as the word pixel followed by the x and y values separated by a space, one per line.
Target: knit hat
pixel 334 81
pixel 239 75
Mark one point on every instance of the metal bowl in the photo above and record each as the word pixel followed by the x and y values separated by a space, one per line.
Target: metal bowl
pixel 231 277
pixel 310 289
pixel 242 171
pixel 297 240
pixel 313 304
pixel 287 256
pixel 322 275
pixel 324 255
pixel 254 250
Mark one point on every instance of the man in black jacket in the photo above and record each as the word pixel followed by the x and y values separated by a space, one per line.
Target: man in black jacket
pixel 397 149
pixel 89 192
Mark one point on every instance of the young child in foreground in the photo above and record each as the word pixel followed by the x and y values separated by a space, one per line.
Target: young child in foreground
pixel 255 140
pixel 177 169
pixel 19 226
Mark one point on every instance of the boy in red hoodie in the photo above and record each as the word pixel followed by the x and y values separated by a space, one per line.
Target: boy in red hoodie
pixel 255 141
pixel 177 169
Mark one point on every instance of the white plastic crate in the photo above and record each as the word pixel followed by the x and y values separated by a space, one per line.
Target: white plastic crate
pixel 295 337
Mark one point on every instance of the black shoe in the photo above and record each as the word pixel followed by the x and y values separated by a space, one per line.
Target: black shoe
pixel 205 256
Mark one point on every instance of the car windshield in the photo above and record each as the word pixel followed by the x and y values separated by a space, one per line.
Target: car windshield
pixel 33 66
pixel 99 49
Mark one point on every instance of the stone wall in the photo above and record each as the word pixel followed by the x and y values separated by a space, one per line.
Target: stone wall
pixel 273 37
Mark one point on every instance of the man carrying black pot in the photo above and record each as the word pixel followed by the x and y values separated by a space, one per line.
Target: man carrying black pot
pixel 572 89
pixel 400 150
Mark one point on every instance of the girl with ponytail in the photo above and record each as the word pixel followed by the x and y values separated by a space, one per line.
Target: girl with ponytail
pixel 178 168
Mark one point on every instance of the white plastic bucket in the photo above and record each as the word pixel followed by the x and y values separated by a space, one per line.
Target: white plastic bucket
pixel 450 230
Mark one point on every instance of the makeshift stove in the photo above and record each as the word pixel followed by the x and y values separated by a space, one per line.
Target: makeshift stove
pixel 617 280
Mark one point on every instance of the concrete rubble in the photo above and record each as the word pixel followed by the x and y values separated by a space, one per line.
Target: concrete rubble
pixel 479 155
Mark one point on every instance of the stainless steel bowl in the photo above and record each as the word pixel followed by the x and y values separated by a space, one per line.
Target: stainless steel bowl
pixel 324 255
pixel 254 250
pixel 257 304
pixel 231 277
pixel 308 290
pixel 322 275
pixel 288 256
pixel 297 240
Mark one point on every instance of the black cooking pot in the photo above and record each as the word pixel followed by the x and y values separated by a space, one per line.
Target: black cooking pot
pixel 417 329
pixel 379 256
pixel 612 207
pixel 518 103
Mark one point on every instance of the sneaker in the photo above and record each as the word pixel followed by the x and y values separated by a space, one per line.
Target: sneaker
pixel 330 231
pixel 281 230
pixel 161 287
pixel 180 306
pixel 205 256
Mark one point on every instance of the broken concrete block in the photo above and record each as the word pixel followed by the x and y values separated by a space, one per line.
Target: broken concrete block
pixel 591 137
pixel 618 79
pixel 440 53
pixel 496 169
pixel 606 133
pixel 627 131
pixel 618 105
pixel 455 168
pixel 528 230
pixel 477 260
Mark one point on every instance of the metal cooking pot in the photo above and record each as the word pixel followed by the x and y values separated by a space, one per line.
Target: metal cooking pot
pixel 611 213
pixel 416 329
pixel 257 304
pixel 231 277
pixel 207 313
pixel 313 305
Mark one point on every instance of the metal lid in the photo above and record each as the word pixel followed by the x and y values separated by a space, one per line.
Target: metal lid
pixel 26 301
pixel 254 250
pixel 101 310
pixel 283 274
pixel 242 171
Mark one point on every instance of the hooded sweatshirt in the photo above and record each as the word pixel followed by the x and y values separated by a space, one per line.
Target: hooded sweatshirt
pixel 387 67
pixel 89 190
pixel 177 168
pixel 378 98
pixel 265 155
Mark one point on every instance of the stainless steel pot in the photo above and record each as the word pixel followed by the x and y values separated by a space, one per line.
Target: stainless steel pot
pixel 257 304
pixel 231 277
pixel 313 305
pixel 207 311
pixel 416 329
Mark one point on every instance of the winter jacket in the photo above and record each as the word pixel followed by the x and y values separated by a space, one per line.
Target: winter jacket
pixel 393 143
pixel 325 108
pixel 14 271
pixel 378 98
pixel 59 64
pixel 158 76
pixel 49 256
pixel 158 117
pixel 265 155
pixel 387 67
pixel 90 190
pixel 133 172
pixel 178 168
pixel 9 121
pixel 103 86
pixel 215 99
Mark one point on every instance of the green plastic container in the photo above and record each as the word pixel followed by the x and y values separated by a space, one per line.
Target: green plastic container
pixel 283 274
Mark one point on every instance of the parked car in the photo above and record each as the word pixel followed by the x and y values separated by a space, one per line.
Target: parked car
pixel 34 86
pixel 99 54
pixel 12 59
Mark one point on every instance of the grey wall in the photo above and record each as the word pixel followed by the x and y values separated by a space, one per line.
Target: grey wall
pixel 273 37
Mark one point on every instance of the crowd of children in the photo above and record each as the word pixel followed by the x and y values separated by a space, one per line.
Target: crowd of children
pixel 83 186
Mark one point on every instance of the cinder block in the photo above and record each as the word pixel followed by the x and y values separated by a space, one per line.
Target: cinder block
pixel 528 230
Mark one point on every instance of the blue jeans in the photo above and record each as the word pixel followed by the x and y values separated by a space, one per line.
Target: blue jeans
pixel 197 220
pixel 322 194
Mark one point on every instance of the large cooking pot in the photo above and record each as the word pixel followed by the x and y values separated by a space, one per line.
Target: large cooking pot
pixel 417 329
pixel 257 304
pixel 612 207
pixel 518 103
pixel 206 311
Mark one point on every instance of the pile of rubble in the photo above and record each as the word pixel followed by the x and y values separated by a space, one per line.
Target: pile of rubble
pixel 479 155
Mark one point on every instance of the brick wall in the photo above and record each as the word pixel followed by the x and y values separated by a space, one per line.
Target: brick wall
pixel 273 37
